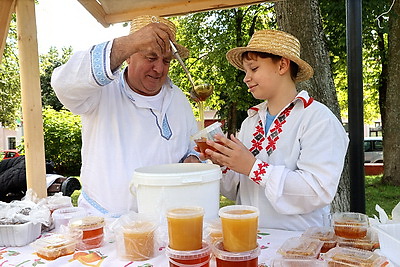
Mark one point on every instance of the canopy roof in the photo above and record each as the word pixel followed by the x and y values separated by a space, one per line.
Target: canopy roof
pixel 110 11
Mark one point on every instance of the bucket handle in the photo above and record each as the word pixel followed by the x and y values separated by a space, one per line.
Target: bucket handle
pixel 133 192
pixel 192 180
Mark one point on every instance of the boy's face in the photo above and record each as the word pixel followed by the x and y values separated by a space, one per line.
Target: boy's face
pixel 262 76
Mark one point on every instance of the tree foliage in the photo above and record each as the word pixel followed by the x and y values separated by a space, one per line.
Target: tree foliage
pixel 62 139
pixel 10 92
pixel 374 51
pixel 209 35
pixel 48 63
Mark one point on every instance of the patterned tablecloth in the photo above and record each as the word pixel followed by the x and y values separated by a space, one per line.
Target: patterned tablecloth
pixel 269 240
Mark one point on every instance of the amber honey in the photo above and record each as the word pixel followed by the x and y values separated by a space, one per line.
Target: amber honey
pixel 195 258
pixel 239 227
pixel 350 230
pixel 202 144
pixel 185 228
pixel 54 255
pixel 245 263
pixel 351 225
pixel 225 258
pixel 54 246
pixel 139 241
pixel 92 228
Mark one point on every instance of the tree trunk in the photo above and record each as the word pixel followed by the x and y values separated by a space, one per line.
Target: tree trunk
pixel 391 127
pixel 302 18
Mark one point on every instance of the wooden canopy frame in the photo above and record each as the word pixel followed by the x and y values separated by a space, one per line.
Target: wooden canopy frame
pixel 108 12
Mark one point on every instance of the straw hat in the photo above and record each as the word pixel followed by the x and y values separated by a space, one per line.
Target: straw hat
pixel 274 42
pixel 141 21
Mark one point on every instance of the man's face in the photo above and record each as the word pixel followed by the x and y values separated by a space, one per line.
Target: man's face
pixel 147 72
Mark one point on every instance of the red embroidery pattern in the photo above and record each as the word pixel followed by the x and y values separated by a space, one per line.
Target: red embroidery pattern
pixel 277 129
pixel 225 170
pixel 258 139
pixel 261 170
pixel 272 143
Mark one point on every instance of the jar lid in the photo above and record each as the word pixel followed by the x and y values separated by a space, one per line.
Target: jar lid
pixel 222 254
pixel 189 254
pixel 69 213
pixel 185 212
pixel 238 212
pixel 87 223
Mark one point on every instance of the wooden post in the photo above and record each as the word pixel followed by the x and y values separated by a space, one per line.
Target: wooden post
pixel 31 97
pixel 6 9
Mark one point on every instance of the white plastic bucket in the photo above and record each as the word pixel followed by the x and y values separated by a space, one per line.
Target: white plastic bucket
pixel 158 188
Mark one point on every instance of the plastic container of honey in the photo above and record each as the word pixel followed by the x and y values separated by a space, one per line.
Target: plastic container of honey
pixel 213 230
pixel 185 228
pixel 190 258
pixel 354 257
pixel 205 134
pixel 54 246
pixel 239 227
pixel 136 236
pixel 324 234
pixel 301 247
pixel 350 225
pixel 64 215
pixel 370 242
pixel 162 187
pixel 226 258
pixel 297 262
pixel 90 230
pixel 57 202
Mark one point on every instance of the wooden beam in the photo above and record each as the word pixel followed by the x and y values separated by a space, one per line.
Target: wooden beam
pixel 177 8
pixel 108 12
pixel 6 10
pixel 31 97
pixel 96 10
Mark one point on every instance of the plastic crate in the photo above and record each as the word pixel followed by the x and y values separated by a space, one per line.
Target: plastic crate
pixel 389 240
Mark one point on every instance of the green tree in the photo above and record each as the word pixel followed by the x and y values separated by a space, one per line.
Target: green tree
pixel 391 102
pixel 209 35
pixel 48 63
pixel 62 138
pixel 380 72
pixel 374 52
pixel 10 92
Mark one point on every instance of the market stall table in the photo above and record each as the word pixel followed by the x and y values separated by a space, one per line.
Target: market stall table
pixel 268 239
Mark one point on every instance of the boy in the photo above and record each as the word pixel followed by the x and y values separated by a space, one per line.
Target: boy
pixel 289 154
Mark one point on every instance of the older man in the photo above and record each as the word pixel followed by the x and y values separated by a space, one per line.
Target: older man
pixel 131 118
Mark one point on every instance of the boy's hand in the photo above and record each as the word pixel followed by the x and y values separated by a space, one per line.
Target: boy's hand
pixel 232 154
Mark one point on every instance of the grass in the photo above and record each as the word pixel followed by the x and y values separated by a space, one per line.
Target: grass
pixel 385 196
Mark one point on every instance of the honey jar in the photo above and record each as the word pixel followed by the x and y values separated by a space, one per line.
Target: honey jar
pixel 90 230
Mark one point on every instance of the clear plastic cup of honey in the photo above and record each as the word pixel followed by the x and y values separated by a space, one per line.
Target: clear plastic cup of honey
pixel 139 240
pixel 239 227
pixel 185 228
pixel 208 133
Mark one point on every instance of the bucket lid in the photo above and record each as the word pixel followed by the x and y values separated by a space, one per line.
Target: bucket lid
pixel 177 174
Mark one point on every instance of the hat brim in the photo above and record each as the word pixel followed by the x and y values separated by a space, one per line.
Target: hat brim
pixel 234 56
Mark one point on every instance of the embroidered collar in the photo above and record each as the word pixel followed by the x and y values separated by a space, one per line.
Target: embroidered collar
pixel 303 96
pixel 272 137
